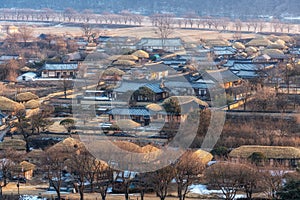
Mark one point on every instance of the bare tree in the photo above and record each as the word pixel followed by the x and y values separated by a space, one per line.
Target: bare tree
pixel 25 33
pixel 261 25
pixel 162 179
pixel 276 24
pixel 224 23
pixel 54 163
pixel 69 13
pixel 187 169
pixel 272 180
pixel 87 15
pixel 77 164
pixel 7 166
pixel 238 25
pixel 164 24
pixel 224 176
pixel 125 179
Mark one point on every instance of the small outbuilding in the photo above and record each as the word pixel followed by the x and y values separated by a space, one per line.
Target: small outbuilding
pixel 29 76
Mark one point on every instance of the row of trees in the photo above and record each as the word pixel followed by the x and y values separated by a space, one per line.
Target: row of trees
pixel 71 15
pixel 88 174
pixel 191 20
pixel 85 168
pixel 220 24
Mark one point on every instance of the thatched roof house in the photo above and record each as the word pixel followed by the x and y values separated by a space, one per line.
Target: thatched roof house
pixel 182 100
pixel 288 156
pixel 127 124
pixel 238 45
pixel 26 96
pixel 259 42
pixel 154 107
pixel 26 168
pixel 66 146
pixel 141 54
pixel 217 42
pixel 128 146
pixel 250 50
pixel 32 104
pixel 9 105
pixel 124 63
pixel 203 156
pixel 123 57
pixel 113 71
pixel 34 156
pixel 16 144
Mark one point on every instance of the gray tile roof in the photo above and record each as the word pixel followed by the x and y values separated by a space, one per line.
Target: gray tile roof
pixel 61 66
pixel 133 86
pixel 157 42
pixel 129 111
pixel 224 76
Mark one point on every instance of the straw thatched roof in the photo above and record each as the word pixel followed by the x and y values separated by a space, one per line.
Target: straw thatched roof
pixel 16 144
pixel 127 124
pixel 149 148
pixel 9 105
pixel 113 71
pixel 123 57
pixel 32 104
pixel 273 52
pixel 66 145
pixel 124 62
pixel 261 41
pixel 272 38
pixel 154 107
pixel 285 38
pixel 278 44
pixel 26 96
pixel 204 156
pixel 238 45
pixel 27 69
pixel 141 54
pixel 26 166
pixel 186 100
pixel 276 152
pixel 35 155
pixel 251 50
pixel 128 146
pixel 217 42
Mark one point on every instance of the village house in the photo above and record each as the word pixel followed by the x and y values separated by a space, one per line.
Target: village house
pixel 273 155
pixel 140 115
pixel 167 44
pixel 225 77
pixel 141 91
pixel 156 71
pixel 29 76
pixel 59 70
pixel 186 105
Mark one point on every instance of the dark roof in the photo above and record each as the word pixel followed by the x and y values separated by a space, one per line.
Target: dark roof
pixel 246 74
pixel 231 62
pixel 133 86
pixel 129 111
pixel 60 66
pixel 227 50
pixel 157 67
pixel 157 42
pixel 223 75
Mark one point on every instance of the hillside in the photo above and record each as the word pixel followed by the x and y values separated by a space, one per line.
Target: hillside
pixel 229 8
